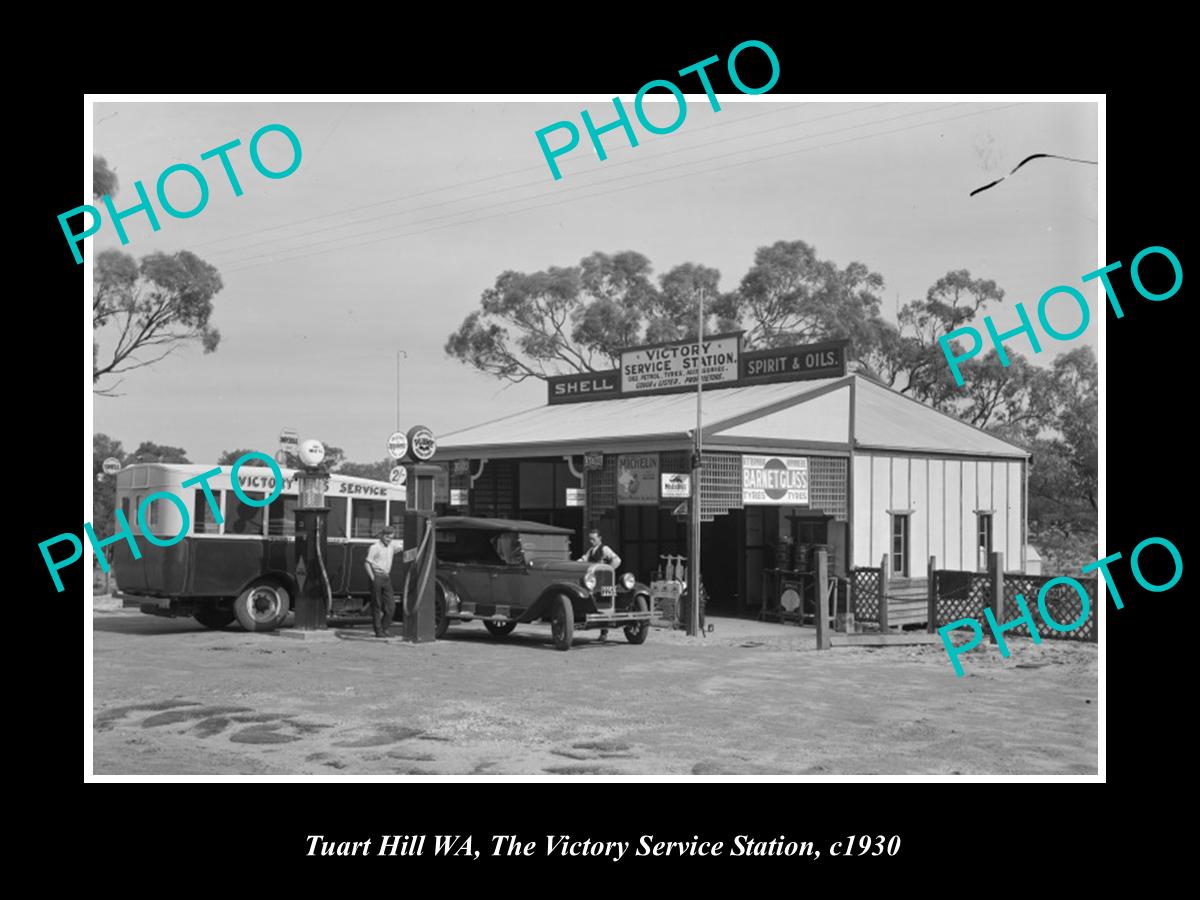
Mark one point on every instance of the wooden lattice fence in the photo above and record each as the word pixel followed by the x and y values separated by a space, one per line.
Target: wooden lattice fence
pixel 1063 604
pixel 866 593
pixel 960 595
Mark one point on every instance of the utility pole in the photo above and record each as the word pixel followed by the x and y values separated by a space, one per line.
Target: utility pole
pixel 398 355
pixel 698 448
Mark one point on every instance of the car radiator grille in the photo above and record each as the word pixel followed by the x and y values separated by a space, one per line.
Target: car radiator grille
pixel 606 587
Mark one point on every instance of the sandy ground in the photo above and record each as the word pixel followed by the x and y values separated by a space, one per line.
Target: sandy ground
pixel 172 697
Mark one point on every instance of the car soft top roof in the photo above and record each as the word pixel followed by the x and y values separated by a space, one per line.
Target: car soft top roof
pixel 500 525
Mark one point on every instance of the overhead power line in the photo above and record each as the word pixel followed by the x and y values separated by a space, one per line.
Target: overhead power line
pixel 539 183
pixel 392 237
pixel 450 187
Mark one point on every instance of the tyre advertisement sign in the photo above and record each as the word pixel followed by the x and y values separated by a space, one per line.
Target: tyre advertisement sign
pixel 775 480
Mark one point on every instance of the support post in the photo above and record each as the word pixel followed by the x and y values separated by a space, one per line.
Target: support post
pixel 883 593
pixel 931 599
pixel 996 577
pixel 822 568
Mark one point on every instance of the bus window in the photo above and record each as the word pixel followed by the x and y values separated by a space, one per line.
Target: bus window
pixel 202 514
pixel 368 518
pixel 281 516
pixel 241 518
pixel 337 516
pixel 125 507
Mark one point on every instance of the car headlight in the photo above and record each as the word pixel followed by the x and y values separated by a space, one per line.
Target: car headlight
pixel 628 581
pixel 589 581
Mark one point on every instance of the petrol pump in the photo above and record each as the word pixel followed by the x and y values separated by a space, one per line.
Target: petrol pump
pixel 419 538
pixel 312 539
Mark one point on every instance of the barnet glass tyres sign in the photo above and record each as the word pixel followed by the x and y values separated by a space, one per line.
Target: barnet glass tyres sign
pixel 676 367
pixel 775 480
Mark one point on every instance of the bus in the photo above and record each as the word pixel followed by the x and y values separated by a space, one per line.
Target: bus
pixel 241 569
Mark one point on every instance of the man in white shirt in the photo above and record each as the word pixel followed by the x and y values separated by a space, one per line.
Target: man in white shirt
pixel 379 573
pixel 598 552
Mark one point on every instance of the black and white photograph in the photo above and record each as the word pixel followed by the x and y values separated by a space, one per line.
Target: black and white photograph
pixel 700 433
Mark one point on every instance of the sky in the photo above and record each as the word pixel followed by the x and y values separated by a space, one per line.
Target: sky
pixel 400 214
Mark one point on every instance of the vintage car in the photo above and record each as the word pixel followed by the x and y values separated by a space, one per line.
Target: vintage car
pixel 506 573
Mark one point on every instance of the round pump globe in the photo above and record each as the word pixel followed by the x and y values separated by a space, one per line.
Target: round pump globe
pixel 311 452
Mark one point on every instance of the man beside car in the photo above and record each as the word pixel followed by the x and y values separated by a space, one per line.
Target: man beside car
pixel 379 575
pixel 598 552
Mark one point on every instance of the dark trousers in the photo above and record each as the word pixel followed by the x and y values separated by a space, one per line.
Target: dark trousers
pixel 383 603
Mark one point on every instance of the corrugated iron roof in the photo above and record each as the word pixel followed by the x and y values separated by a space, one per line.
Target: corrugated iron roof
pixel 658 416
pixel 883 419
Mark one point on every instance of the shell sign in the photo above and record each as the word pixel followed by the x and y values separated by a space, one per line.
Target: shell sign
pixel 775 480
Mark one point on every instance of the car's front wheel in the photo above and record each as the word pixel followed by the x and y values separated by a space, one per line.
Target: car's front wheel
pixel 637 632
pixel 562 622
pixel 499 629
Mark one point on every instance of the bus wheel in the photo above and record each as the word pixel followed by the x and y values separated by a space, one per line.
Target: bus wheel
pixel 214 617
pixel 261 607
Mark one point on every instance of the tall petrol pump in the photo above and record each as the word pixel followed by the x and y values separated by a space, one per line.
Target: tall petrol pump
pixel 312 539
pixel 419 538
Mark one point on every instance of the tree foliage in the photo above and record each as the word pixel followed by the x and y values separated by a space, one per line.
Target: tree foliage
pixel 380 471
pixel 148 310
pixel 791 296
pixel 576 319
pixel 334 457
pixel 104 179
pixel 148 451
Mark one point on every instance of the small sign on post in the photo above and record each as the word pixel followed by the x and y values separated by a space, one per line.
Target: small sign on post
pixel 676 486
pixel 421 443
pixel 398 476
pixel 458 497
pixel 111 466
pixel 576 497
pixel 397 445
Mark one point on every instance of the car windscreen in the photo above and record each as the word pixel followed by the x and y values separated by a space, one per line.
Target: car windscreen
pixel 468 545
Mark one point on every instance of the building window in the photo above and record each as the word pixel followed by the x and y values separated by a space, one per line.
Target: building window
pixel 900 544
pixel 984 538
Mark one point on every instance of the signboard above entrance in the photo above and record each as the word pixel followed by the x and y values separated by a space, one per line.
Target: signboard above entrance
pixel 680 365
pixel 674 368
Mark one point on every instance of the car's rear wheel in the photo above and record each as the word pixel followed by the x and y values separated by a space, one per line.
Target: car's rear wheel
pixel 441 622
pixel 637 632
pixel 500 629
pixel 562 622
pixel 262 606
pixel 214 617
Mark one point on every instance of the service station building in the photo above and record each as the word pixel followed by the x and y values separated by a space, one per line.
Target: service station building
pixel 796 454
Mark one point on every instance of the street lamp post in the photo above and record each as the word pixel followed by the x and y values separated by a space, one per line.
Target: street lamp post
pixel 399 353
pixel 697 463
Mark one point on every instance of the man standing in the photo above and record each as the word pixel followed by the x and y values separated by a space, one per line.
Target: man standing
pixel 598 553
pixel 379 572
